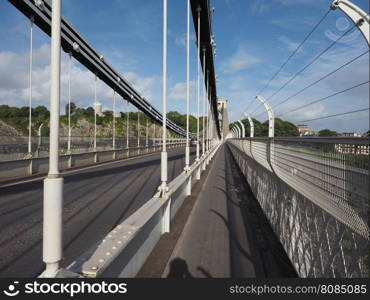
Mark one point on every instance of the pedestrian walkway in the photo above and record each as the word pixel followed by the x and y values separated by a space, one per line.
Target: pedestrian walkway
pixel 226 233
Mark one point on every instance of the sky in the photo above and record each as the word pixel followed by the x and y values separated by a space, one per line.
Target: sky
pixel 253 37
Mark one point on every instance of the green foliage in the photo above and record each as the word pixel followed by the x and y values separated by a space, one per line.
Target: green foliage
pixel 18 118
pixel 327 132
pixel 180 120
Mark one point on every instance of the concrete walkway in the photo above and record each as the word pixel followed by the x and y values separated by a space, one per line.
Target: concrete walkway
pixel 227 234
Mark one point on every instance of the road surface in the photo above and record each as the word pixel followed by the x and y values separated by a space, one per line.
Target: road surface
pixel 96 199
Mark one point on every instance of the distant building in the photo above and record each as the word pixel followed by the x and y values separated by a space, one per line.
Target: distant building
pixel 117 114
pixel 350 148
pixel 98 109
pixel 305 130
pixel 354 134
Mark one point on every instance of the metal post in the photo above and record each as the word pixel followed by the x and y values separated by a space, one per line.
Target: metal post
pixel 243 128
pixel 251 124
pixel 154 134
pixel 204 103
pixel 270 115
pixel 53 184
pixel 187 148
pixel 207 103
pixel 114 120
pixel 30 92
pixel 163 187
pixel 147 134
pixel 95 112
pixel 356 14
pixel 198 81
pixel 127 125
pixel 138 128
pixel 40 140
pixel 69 104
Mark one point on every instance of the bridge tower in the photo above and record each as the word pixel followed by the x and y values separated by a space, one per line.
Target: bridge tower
pixel 224 120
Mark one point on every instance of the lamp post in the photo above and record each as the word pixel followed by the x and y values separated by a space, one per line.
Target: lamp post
pixel 138 128
pixel 53 184
pixel 127 125
pixel 69 104
pixel 198 81
pixel 164 158
pixel 114 120
pixel 147 134
pixel 204 104
pixel 207 102
pixel 95 106
pixel 187 148
pixel 30 91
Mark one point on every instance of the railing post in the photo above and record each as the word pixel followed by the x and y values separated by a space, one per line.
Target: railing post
pixel 166 218
pixel 270 115
pixel 251 124
pixel 243 128
pixel 356 14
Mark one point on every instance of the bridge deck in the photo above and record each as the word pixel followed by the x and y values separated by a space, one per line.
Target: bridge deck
pixel 226 233
pixel 96 199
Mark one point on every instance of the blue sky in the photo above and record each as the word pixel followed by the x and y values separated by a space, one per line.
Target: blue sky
pixel 253 39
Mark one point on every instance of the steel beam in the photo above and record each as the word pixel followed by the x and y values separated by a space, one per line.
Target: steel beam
pixel 82 51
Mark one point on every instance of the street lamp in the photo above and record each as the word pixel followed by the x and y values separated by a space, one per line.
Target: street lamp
pixel 30 91
pixel 163 187
pixel 187 148
pixel 198 81
pixel 53 184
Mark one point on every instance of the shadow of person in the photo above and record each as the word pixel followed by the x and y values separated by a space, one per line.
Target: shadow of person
pixel 179 269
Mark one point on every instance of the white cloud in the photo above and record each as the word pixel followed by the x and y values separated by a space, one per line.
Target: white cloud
pixel 259 7
pixel 288 43
pixel 239 61
pixel 178 91
pixel 14 76
pixel 180 40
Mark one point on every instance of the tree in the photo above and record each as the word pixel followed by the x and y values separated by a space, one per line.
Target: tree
pixel 73 108
pixel 40 112
pixel 327 132
pixel 89 112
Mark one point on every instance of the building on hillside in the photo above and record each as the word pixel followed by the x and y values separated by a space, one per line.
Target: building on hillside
pixel 305 130
pixel 117 114
pixel 98 109
pixel 349 134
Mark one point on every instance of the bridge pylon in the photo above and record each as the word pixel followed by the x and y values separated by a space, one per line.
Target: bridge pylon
pixel 222 109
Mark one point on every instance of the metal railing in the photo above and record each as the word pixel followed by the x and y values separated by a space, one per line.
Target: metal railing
pixel 315 192
pixel 16 147
pixel 79 156
pixel 124 250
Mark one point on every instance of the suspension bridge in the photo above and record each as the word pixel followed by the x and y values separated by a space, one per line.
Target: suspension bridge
pixel 167 202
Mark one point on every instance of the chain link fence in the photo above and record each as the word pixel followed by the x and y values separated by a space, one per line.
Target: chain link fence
pixel 315 193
